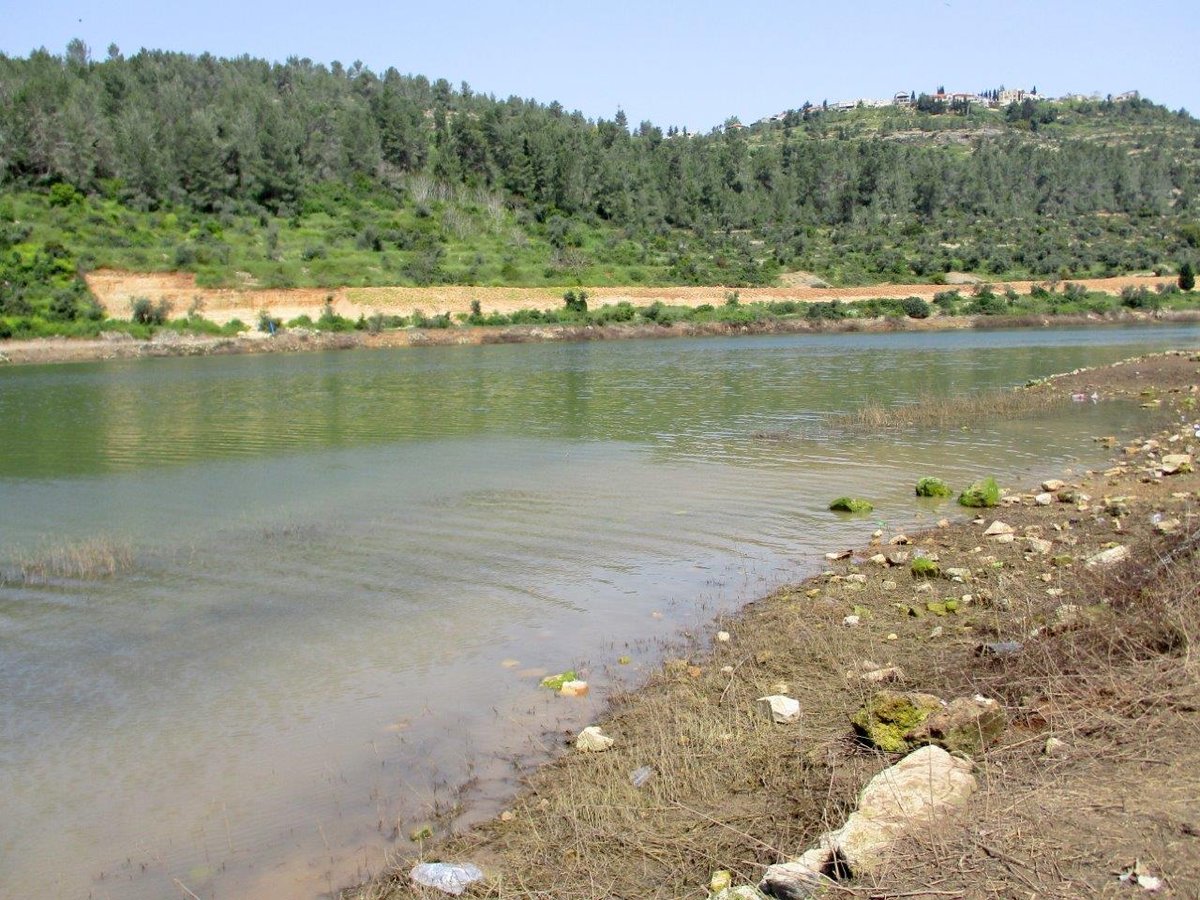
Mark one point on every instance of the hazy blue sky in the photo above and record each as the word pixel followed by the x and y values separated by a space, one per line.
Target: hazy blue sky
pixel 683 63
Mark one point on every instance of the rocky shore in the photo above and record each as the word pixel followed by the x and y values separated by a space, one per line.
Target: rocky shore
pixel 172 344
pixel 1006 704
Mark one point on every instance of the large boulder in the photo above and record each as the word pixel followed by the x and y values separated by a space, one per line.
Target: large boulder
pixel 906 798
pixel 911 797
pixel 933 487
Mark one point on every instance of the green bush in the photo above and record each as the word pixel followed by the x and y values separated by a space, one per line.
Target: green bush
pixel 146 312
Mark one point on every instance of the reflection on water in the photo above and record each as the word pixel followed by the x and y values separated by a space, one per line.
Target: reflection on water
pixel 350 569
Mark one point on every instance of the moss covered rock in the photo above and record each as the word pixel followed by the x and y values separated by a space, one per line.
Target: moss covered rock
pixel 887 719
pixel 933 487
pixel 967 725
pixel 851 505
pixel 982 493
pixel 923 567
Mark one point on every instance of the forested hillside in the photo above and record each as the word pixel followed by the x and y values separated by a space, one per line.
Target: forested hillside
pixel 249 172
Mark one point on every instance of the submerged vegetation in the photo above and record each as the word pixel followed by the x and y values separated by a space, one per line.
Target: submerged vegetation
pixel 249 173
pixel 81 560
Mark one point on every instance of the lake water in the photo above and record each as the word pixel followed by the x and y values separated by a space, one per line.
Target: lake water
pixel 349 570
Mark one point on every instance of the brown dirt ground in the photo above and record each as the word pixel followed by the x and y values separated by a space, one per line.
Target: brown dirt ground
pixel 115 290
pixel 1120 687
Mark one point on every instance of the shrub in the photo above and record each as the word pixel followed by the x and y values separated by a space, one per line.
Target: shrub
pixel 576 303
pixel 146 312
pixel 1187 277
pixel 915 308
pixel 267 322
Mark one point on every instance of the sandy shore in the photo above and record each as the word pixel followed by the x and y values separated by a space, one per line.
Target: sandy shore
pixel 1096 773
pixel 116 290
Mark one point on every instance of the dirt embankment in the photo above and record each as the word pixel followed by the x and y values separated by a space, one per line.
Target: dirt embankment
pixel 1096 775
pixel 116 290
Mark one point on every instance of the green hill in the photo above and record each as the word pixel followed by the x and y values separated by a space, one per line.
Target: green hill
pixel 294 174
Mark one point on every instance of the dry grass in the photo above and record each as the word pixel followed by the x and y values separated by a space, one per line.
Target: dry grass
pixel 83 560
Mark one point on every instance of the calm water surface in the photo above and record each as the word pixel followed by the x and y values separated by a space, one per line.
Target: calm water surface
pixel 350 570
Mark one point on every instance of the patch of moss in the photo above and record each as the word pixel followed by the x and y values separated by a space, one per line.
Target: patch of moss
pixel 933 487
pixel 922 567
pixel 851 505
pixel 886 719
pixel 982 493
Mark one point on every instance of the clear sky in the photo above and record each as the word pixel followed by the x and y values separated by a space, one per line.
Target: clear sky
pixel 690 63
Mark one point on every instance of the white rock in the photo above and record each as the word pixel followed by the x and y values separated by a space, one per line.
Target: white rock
pixel 1053 484
pixel 781 709
pixel 573 688
pixel 1109 557
pixel 997 528
pixel 852 621
pixel 878 559
pixel 904 799
pixel 723 637
pixel 593 740
pixel 1043 499
pixel 1037 545
pixel 1176 462
pixel 1004 538
pixel 885 675
pixel 1054 747
pixel 856 578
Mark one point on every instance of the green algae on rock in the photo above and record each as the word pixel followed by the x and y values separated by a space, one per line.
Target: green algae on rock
pixel 983 493
pixel 933 487
pixel 851 505
pixel 887 718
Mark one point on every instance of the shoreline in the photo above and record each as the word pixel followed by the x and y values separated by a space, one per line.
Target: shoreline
pixel 1114 685
pixel 166 344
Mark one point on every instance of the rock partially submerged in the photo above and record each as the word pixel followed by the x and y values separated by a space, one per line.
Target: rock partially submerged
pixel 851 505
pixel 933 487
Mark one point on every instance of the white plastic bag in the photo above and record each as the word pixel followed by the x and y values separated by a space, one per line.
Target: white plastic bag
pixel 453 878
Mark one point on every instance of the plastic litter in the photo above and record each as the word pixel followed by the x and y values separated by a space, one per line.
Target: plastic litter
pixel 641 775
pixel 451 878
